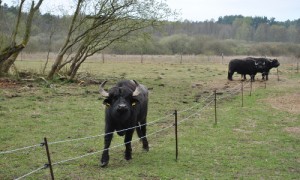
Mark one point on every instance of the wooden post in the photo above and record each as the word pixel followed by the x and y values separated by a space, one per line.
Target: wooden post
pixel 222 58
pixel 265 84
pixel 49 159
pixel 180 58
pixel 215 99
pixel 176 135
pixel 250 88
pixel 297 67
pixel 242 89
pixel 102 57
pixel 277 75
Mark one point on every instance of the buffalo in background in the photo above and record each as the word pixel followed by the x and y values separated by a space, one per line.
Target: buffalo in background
pixel 252 66
pixel 126 109
pixel 268 65
pixel 245 66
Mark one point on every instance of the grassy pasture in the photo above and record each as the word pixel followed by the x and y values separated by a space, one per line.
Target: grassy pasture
pixel 258 141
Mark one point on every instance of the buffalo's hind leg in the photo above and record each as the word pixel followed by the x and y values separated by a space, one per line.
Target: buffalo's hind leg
pixel 141 131
pixel 230 74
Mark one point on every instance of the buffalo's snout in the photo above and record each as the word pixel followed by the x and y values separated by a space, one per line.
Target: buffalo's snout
pixel 122 108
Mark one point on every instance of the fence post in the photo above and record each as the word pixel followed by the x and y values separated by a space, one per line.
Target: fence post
pixel 277 75
pixel 102 57
pixel 180 58
pixel 222 58
pixel 176 135
pixel 250 88
pixel 265 84
pixel 215 99
pixel 49 158
pixel 242 89
pixel 297 66
pixel 142 58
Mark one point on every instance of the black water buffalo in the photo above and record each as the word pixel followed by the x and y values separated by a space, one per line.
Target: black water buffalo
pixel 268 64
pixel 245 66
pixel 126 107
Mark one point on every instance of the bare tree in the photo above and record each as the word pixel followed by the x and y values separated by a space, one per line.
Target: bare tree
pixel 9 54
pixel 92 30
pixel 51 29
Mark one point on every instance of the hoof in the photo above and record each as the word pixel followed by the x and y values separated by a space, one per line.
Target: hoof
pixel 104 164
pixel 128 156
pixel 146 149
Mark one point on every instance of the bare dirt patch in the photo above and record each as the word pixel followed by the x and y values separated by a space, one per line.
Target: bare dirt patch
pixel 8 83
pixel 293 130
pixel 289 103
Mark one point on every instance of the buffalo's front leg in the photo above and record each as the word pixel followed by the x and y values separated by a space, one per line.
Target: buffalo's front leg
pixel 141 131
pixel 105 155
pixel 127 141
pixel 252 77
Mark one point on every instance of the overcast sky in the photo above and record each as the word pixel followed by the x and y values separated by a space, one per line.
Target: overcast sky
pixel 201 10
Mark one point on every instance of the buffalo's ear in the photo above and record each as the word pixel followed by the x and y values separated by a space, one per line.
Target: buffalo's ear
pixel 107 102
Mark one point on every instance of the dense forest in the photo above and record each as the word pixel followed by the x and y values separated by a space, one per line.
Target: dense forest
pixel 230 35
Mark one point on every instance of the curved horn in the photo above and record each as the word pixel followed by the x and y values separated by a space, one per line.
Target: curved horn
pixel 102 91
pixel 137 90
pixel 256 63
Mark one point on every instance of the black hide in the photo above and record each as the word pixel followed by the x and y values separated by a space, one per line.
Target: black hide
pixel 268 64
pixel 124 111
pixel 244 66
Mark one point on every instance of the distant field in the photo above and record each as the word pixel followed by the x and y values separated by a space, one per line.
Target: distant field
pixel 260 140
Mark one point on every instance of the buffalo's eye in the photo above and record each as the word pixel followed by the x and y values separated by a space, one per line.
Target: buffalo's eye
pixel 133 103
pixel 107 102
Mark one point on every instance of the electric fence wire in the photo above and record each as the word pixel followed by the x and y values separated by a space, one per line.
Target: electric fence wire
pixel 34 171
pixel 188 109
pixel 84 138
pixel 89 137
pixel 118 145
pixel 19 149
pixel 234 90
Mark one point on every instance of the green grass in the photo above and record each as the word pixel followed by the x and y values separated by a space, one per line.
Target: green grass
pixel 247 143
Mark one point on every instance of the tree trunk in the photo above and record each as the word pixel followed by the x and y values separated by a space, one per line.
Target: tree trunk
pixel 67 44
pixel 5 66
pixel 10 51
pixel 15 50
pixel 55 66
pixel 74 72
pixel 49 50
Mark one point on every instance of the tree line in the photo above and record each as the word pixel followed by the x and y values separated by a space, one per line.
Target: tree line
pixel 132 28
pixel 234 34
